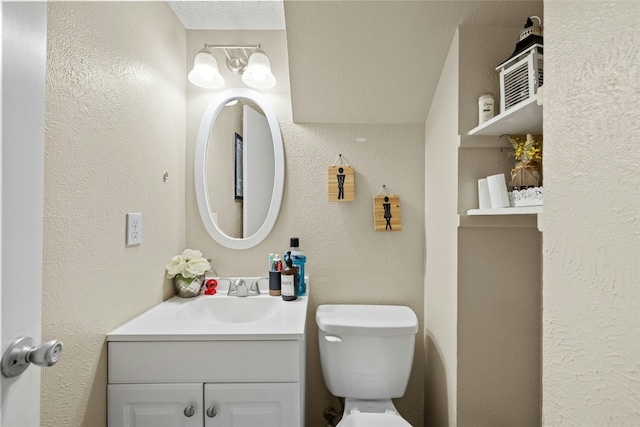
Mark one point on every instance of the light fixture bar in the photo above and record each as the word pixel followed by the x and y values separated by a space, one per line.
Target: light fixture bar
pixel 222 46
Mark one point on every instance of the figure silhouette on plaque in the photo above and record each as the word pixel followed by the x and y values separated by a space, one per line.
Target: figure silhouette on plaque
pixel 387 213
pixel 341 177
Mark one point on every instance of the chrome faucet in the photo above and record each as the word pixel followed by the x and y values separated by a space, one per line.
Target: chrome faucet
pixel 238 288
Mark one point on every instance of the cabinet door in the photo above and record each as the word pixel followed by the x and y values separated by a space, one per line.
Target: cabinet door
pixel 252 405
pixel 155 405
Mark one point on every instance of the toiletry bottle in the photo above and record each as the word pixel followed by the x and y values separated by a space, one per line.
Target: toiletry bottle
pixel 485 108
pixel 274 275
pixel 299 258
pixel 275 283
pixel 288 280
pixel 277 263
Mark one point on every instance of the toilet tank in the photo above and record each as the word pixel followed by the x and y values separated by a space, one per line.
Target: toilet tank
pixel 366 351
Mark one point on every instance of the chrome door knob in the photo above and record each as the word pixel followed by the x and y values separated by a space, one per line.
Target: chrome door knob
pixel 22 352
pixel 46 354
pixel 189 411
pixel 212 412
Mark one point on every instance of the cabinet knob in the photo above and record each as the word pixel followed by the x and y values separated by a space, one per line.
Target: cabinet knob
pixel 212 412
pixel 189 411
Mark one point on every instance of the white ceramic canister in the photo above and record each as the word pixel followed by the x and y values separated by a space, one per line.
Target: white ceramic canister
pixel 485 107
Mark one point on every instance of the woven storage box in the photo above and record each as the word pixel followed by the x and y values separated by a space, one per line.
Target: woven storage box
pixel 520 77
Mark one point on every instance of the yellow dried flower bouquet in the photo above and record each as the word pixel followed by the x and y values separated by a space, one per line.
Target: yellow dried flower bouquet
pixel 527 150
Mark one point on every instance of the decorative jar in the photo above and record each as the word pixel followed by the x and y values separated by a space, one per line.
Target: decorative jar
pixel 187 287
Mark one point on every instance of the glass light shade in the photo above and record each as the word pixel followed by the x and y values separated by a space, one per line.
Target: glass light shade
pixel 258 73
pixel 205 71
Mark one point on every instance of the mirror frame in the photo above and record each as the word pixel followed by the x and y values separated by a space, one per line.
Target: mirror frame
pixel 200 168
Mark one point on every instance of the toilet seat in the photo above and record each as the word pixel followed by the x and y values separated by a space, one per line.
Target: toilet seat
pixel 366 419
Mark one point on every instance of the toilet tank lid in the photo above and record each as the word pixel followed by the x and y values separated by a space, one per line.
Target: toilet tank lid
pixel 366 320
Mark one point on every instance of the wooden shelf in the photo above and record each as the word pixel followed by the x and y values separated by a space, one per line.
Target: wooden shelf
pixel 524 118
pixel 518 210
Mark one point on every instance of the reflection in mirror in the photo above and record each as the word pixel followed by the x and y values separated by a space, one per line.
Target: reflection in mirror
pixel 239 168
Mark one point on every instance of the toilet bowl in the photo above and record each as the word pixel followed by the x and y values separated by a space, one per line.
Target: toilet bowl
pixel 366 354
pixel 371 413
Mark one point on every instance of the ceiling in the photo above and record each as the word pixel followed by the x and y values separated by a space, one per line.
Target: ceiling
pixel 362 61
pixel 230 14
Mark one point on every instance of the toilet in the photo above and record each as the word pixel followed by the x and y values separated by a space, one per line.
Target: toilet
pixel 366 353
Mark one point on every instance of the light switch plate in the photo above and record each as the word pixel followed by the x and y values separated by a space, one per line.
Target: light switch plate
pixel 134 229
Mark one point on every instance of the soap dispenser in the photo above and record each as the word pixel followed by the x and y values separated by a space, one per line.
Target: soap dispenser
pixel 288 280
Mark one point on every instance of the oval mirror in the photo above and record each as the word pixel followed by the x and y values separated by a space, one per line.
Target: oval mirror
pixel 239 168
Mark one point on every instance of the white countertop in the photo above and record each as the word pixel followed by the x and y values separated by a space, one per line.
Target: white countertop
pixel 172 320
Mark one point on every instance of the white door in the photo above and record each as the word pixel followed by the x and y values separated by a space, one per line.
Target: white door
pixel 251 405
pixel 21 169
pixel 155 405
pixel 258 170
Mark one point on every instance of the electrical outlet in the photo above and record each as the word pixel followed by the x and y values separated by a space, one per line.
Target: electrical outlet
pixel 134 229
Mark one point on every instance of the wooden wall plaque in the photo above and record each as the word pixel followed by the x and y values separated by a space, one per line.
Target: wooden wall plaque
pixel 386 213
pixel 341 184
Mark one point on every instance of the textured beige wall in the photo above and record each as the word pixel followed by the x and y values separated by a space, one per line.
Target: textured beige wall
pixel 441 233
pixel 347 261
pixel 591 297
pixel 115 120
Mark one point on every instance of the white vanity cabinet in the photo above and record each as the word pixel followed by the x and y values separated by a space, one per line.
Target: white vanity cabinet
pixel 206 383
pixel 221 405
pixel 178 365
pixel 245 405
pixel 155 405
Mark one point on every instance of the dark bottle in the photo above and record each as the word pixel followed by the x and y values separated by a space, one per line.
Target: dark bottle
pixel 288 280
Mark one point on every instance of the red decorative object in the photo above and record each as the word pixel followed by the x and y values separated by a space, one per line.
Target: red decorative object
pixel 210 287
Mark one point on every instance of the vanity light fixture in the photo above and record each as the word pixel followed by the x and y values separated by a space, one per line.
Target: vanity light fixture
pixel 258 73
pixel 248 60
pixel 205 71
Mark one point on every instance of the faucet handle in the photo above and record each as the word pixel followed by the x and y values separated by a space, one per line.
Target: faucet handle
pixel 255 287
pixel 233 288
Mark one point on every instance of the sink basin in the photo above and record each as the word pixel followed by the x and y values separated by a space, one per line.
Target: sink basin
pixel 226 310
pixel 219 317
